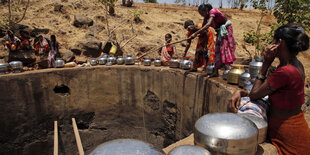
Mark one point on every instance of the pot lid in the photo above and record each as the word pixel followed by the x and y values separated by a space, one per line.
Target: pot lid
pixel 226 126
pixel 126 147
pixel 259 122
pixel 189 150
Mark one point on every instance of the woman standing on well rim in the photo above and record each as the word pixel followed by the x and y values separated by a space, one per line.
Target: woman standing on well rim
pixel 287 127
pixel 225 43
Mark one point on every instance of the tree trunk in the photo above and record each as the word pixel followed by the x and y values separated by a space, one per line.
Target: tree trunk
pixel 123 2
pixel 111 9
pixel 129 3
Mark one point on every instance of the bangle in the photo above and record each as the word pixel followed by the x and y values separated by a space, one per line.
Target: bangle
pixel 261 77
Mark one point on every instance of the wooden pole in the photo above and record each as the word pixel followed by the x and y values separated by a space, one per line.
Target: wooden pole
pixel 77 137
pixel 55 138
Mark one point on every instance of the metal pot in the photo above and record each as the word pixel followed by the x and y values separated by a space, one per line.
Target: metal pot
pixel 186 64
pixel 111 60
pixel 129 60
pixel 157 62
pixel 260 123
pixel 189 150
pixel 225 73
pixel 248 86
pixel 120 60
pixel 93 62
pixel 226 133
pixel 105 55
pixel 210 68
pixel 244 77
pixel 234 73
pixel 59 63
pixel 126 147
pixel 255 66
pixel 147 62
pixel 174 63
pixel 16 66
pixel 4 67
pixel 102 60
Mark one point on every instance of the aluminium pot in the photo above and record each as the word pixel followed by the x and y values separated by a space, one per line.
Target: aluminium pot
pixel 16 66
pixel 225 73
pixel 147 62
pixel 111 60
pixel 255 66
pixel 244 77
pixel 210 68
pixel 260 123
pixel 174 63
pixel 157 62
pixel 129 60
pixel 120 60
pixel 59 63
pixel 126 147
pixel 102 60
pixel 186 64
pixel 4 67
pixel 226 133
pixel 189 150
pixel 234 74
pixel 93 62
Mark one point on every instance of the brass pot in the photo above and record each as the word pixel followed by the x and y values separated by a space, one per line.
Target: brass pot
pixel 234 73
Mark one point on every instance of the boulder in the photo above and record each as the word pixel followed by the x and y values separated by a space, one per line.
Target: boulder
pixel 66 55
pixel 82 21
pixel 26 56
pixel 91 47
pixel 37 31
pixel 96 28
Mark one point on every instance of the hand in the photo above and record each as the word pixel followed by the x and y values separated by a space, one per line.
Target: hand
pixel 234 101
pixel 194 35
pixel 271 53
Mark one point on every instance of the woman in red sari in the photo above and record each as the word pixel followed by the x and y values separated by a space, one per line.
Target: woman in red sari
pixel 287 127
pixel 225 43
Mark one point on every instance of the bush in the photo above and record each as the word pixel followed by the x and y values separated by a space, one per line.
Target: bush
pixel 150 1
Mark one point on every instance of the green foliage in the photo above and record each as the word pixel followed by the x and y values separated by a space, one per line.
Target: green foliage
pixel 4 24
pixel 136 15
pixel 293 11
pixel 150 1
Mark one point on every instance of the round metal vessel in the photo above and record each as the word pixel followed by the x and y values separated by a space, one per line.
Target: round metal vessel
pixel 102 60
pixel 4 67
pixel 16 66
pixel 260 123
pixel 186 64
pixel 189 150
pixel 129 60
pixel 93 62
pixel 120 60
pixel 225 73
pixel 59 63
pixel 255 66
pixel 126 147
pixel 157 62
pixel 244 77
pixel 226 133
pixel 210 68
pixel 174 63
pixel 147 62
pixel 111 61
pixel 234 73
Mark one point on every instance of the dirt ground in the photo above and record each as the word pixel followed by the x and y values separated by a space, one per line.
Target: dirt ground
pixel 158 20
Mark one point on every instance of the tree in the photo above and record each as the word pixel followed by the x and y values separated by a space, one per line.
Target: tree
pixel 16 13
pixel 293 11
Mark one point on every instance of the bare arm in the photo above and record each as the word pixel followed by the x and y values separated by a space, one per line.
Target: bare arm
pixel 188 45
pixel 205 27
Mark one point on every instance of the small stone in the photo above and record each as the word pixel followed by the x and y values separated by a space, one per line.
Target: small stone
pixel 148 28
pixel 82 21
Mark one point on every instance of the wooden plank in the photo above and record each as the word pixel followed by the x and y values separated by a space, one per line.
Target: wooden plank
pixel 55 138
pixel 77 137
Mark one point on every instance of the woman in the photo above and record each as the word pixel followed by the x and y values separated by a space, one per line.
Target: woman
pixel 287 128
pixel 205 45
pixel 167 51
pixel 225 43
pixel 41 46
pixel 54 50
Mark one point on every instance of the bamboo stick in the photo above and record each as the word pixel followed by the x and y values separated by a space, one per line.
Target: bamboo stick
pixel 77 137
pixel 55 138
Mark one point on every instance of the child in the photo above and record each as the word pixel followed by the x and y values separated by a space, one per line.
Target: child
pixel 167 51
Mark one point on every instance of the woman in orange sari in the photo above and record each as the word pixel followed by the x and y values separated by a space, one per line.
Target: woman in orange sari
pixel 205 48
pixel 287 127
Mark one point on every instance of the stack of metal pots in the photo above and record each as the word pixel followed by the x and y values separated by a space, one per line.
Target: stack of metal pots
pixel 226 133
pixel 255 66
pixel 189 150
pixel 244 78
pixel 4 68
pixel 16 66
pixel 126 147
